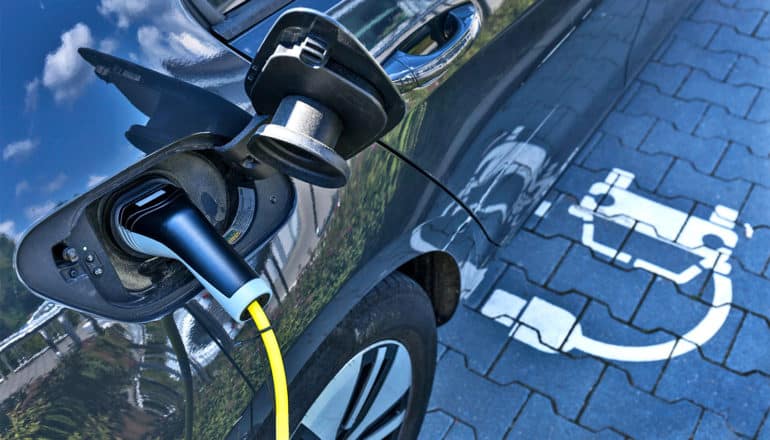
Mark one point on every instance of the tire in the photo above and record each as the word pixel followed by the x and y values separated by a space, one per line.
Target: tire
pixel 390 331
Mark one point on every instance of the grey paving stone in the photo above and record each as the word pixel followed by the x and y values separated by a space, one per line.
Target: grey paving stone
pixel 435 426
pixel 698 33
pixel 756 212
pixel 488 407
pixel 727 39
pixel 664 254
pixel 647 168
pixel 682 52
pixel 460 431
pixel 764 29
pixel 514 281
pixel 667 78
pixel 474 335
pixel 706 211
pixel 630 129
pixel 764 433
pixel 558 222
pixel 684 181
pixel 739 163
pixel 712 11
pixel 760 111
pixel 566 380
pixel 576 180
pixel 683 114
pixel 742 399
pixel 754 252
pixel 538 421
pixel 616 404
pixel 749 291
pixel 713 426
pixel 718 123
pixel 440 350
pixel 716 348
pixel 737 99
pixel 748 71
pixel 753 4
pixel 580 271
pixel 750 351
pixel 666 308
pixel 702 153
pixel 537 255
pixel 597 324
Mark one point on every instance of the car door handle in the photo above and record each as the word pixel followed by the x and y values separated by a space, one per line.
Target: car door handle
pixel 409 72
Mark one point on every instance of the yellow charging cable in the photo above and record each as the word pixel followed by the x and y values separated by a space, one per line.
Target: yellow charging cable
pixel 276 369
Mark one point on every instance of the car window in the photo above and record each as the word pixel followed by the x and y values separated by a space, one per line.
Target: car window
pixel 225 6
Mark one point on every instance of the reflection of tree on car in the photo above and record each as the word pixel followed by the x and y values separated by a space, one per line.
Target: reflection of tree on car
pixel 15 301
pixel 58 404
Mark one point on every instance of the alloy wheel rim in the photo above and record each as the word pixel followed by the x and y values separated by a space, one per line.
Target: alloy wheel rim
pixel 366 399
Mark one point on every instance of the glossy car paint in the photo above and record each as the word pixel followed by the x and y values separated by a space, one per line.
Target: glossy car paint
pixel 480 145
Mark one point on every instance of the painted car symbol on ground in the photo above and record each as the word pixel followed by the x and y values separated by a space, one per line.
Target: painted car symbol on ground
pixel 548 327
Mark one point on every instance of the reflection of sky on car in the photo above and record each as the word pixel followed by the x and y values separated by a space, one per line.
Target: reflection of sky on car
pixel 62 129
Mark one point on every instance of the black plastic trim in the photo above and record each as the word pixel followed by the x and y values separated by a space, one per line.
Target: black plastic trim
pixel 245 16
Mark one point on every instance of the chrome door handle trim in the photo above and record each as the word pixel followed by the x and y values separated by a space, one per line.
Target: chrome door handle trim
pixel 409 72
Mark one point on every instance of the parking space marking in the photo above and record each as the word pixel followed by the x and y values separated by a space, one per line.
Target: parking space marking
pixel 550 328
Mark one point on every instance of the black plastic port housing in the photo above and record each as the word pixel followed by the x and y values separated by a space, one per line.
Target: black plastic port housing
pixel 328 97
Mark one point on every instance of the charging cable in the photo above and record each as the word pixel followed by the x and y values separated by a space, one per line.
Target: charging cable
pixel 160 219
pixel 277 370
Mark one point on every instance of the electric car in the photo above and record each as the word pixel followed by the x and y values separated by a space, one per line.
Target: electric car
pixel 364 158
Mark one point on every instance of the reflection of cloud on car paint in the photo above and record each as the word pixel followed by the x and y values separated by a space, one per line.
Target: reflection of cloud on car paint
pixel 20 148
pixel 158 45
pixel 55 183
pixel 65 74
pixel 22 187
pixel 31 91
pixel 122 10
pixel 95 180
pixel 8 228
pixel 34 212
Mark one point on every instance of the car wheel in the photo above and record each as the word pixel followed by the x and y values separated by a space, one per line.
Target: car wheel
pixel 372 376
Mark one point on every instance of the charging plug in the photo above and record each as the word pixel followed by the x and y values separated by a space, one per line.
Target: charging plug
pixel 161 220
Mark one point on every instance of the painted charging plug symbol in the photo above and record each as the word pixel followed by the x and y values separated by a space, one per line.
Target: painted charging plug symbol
pixel 549 328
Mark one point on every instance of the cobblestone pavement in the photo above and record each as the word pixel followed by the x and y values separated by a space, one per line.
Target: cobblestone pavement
pixel 641 307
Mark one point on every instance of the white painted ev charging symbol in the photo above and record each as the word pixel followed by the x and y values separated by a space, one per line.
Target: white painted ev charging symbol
pixel 546 326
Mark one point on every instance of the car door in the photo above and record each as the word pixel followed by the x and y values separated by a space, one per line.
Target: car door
pixel 102 96
pixel 456 62
pixel 499 123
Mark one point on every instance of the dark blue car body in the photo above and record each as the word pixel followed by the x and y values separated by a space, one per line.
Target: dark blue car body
pixel 485 135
